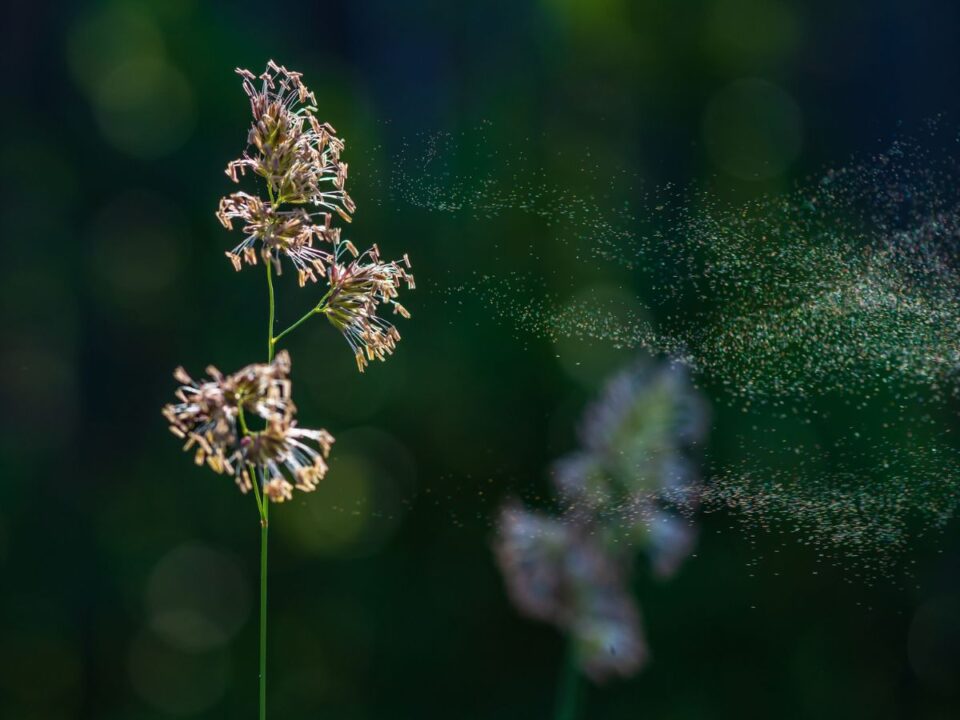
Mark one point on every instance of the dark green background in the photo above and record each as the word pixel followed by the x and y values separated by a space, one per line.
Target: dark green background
pixel 119 118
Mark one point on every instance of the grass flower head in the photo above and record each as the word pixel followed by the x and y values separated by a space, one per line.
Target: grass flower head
pixel 357 290
pixel 299 159
pixel 215 416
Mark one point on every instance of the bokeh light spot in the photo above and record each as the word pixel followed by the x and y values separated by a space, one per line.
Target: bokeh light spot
pixel 752 129
pixel 145 107
pixel 175 682
pixel 593 332
pixel 335 519
pixel 136 251
pixel 751 32
pixel 115 34
pixel 197 598
pixel 359 505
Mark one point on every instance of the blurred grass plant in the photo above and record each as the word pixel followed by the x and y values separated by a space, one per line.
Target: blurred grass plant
pixel 629 489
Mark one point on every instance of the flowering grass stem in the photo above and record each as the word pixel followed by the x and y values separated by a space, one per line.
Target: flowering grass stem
pixel 298 157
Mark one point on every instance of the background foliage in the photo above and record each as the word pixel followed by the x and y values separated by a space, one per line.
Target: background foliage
pixel 129 575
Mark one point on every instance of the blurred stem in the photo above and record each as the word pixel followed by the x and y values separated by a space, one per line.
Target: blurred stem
pixel 568 688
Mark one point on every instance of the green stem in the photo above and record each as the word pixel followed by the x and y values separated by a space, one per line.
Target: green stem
pixel 270 339
pixel 256 488
pixel 253 474
pixel 568 690
pixel 243 421
pixel 298 323
pixel 317 310
pixel 263 608
pixel 263 507
pixel 265 510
